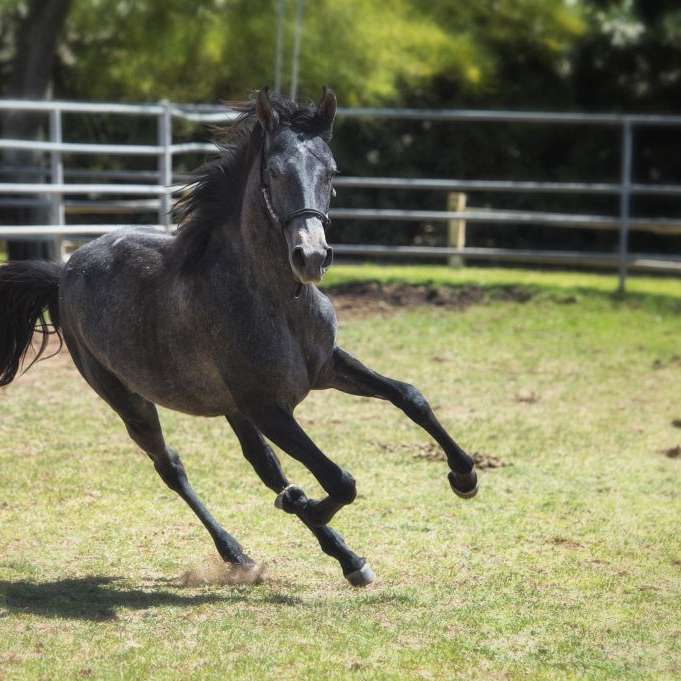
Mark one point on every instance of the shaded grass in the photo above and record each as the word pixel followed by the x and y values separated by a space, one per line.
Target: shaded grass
pixel 567 565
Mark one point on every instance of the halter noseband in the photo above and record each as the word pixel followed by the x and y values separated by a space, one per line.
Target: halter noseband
pixel 283 222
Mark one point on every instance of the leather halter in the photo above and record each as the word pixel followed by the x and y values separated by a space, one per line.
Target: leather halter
pixel 283 222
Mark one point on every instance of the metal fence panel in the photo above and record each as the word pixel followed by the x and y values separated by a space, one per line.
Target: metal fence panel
pixel 161 187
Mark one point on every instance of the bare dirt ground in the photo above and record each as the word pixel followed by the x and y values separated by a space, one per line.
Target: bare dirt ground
pixel 366 299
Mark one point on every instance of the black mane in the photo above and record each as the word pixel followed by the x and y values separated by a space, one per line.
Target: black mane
pixel 213 197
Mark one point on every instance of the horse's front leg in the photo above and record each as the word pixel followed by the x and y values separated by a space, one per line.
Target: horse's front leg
pixel 279 426
pixel 346 373
pixel 266 465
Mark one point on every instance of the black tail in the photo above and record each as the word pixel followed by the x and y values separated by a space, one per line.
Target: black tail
pixel 27 289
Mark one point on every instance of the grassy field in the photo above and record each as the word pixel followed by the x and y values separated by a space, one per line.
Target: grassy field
pixel 567 565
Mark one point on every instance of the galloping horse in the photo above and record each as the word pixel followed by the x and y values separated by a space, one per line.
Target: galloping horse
pixel 223 318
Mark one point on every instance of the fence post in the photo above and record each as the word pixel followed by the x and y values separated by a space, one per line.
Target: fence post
pixel 456 229
pixel 165 163
pixel 56 177
pixel 625 200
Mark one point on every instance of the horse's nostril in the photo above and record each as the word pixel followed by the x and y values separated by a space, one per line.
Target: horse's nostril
pixel 298 257
pixel 328 259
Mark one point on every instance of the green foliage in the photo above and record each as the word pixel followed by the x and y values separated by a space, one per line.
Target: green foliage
pixel 371 50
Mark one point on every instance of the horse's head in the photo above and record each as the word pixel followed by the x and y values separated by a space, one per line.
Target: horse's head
pixel 296 177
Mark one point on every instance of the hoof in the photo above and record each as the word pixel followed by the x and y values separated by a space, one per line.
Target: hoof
pixel 463 485
pixel 291 499
pixel 362 577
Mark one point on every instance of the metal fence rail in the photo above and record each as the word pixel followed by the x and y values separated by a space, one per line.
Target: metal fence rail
pixel 650 263
pixel 158 188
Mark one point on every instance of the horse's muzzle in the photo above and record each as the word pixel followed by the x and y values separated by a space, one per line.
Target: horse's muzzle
pixel 310 264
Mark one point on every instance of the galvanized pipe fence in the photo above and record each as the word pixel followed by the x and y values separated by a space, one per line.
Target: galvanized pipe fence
pixel 158 187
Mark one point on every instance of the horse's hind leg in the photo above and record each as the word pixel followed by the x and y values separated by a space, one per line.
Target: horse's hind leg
pixel 141 420
pixel 278 425
pixel 348 374
pixel 267 466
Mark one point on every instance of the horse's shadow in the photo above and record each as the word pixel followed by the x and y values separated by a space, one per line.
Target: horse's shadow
pixel 96 598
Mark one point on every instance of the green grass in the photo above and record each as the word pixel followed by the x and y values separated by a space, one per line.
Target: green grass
pixel 537 281
pixel 566 565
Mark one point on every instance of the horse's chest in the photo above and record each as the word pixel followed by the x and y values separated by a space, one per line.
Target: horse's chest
pixel 288 352
pixel 315 352
pixel 308 347
pixel 316 334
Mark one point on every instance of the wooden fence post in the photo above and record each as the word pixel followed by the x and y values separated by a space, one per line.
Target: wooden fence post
pixel 456 229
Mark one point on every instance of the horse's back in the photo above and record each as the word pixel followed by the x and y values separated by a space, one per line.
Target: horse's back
pixel 126 250
pixel 110 282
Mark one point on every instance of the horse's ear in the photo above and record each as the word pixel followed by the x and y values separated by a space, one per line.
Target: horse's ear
pixel 265 112
pixel 327 106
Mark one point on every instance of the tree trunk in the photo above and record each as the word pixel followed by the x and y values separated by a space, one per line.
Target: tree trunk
pixel 36 45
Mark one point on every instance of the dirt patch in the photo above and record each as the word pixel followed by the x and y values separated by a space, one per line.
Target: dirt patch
pixel 673 452
pixel 215 572
pixel 676 423
pixel 567 543
pixel 527 397
pixel 673 361
pixel 430 451
pixel 484 461
pixel 371 298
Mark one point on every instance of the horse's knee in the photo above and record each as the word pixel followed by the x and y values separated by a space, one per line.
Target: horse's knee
pixel 414 403
pixel 345 489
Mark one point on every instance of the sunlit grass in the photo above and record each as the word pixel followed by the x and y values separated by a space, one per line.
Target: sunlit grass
pixel 567 564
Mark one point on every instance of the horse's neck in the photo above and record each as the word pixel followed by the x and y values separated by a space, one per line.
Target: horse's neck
pixel 262 252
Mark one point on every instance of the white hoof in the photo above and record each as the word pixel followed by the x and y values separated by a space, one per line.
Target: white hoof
pixel 279 501
pixel 362 577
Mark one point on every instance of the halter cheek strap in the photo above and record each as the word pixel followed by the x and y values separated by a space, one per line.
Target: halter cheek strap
pixel 267 198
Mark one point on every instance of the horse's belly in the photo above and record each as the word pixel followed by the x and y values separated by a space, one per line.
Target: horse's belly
pixel 216 402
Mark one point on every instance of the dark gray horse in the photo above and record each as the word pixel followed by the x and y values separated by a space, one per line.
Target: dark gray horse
pixel 223 319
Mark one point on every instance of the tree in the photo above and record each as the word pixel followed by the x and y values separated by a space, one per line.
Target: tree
pixel 371 51
pixel 37 29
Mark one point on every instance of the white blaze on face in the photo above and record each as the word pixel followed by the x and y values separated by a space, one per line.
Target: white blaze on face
pixel 309 254
pixel 300 172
